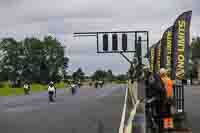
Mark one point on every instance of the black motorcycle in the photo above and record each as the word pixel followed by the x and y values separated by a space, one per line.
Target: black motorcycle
pixel 96 84
pixel 90 84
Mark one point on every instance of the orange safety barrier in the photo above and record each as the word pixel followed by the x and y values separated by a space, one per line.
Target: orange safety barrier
pixel 168 123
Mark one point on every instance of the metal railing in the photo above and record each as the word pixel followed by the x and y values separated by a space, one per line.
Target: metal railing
pixel 131 94
pixel 179 97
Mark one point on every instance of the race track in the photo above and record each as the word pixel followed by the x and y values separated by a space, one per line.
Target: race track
pixel 89 111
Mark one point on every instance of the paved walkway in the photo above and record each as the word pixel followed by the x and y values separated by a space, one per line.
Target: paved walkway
pixel 192 107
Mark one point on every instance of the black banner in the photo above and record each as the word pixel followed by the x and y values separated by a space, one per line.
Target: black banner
pixel 157 56
pixel 166 50
pixel 152 58
pixel 181 38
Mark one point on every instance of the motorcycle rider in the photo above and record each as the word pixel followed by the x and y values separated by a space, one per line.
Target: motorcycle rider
pixel 51 91
pixel 27 88
pixel 96 84
pixel 90 83
pixel 73 87
pixel 101 83
pixel 79 83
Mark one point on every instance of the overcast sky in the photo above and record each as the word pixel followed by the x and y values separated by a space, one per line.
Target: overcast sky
pixel 61 18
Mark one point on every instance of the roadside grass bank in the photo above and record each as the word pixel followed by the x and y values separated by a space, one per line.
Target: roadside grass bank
pixel 7 90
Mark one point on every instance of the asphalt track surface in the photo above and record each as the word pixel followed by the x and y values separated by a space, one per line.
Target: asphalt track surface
pixel 89 111
pixel 192 107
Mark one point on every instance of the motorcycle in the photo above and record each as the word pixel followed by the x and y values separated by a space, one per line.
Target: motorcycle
pixel 96 84
pixel 90 84
pixel 73 89
pixel 101 83
pixel 79 84
pixel 27 89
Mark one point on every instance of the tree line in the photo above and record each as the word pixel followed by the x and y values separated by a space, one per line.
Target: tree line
pixel 32 59
pixel 195 57
pixel 99 75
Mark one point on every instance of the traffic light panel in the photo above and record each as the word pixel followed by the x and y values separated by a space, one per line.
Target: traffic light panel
pixel 105 42
pixel 114 42
pixel 124 42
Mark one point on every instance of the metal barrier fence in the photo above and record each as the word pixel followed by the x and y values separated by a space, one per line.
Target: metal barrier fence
pixel 179 97
pixel 178 117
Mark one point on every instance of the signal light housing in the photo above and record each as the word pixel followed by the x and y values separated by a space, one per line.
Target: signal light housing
pixel 114 42
pixel 124 42
pixel 105 42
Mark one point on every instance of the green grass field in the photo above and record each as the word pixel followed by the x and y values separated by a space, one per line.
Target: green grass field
pixel 7 90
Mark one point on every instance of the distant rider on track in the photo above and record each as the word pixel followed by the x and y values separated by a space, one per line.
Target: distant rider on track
pixel 51 91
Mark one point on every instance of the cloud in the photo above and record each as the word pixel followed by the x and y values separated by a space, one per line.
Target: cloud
pixel 195 6
pixel 21 18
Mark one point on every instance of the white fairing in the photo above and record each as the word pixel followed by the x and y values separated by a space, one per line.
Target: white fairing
pixel 26 86
pixel 73 85
pixel 51 88
pixel 100 82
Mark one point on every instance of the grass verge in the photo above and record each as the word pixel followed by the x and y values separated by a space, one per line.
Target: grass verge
pixel 7 90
